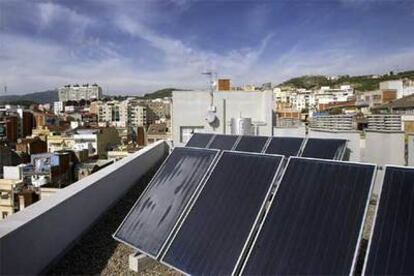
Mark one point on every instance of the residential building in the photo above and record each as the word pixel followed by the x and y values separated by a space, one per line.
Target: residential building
pixel 9 127
pixel 192 112
pixel 126 113
pixel 376 98
pixel 80 92
pixel 303 99
pixel 31 145
pixel 157 132
pixel 96 140
pixel 58 108
pixel 59 142
pixel 8 157
pixel 403 87
pixel 9 201
pixel 17 121
pixel 327 96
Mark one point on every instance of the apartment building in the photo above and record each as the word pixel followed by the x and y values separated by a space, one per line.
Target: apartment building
pixel 376 98
pixel 78 92
pixel 128 113
pixel 403 87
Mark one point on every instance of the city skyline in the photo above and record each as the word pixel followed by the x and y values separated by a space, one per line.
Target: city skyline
pixel 136 47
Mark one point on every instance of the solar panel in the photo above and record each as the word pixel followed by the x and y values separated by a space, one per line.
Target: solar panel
pixel 324 148
pixel 314 223
pixel 199 140
pixel 251 143
pixel 223 142
pixel 214 234
pixel 154 215
pixel 287 146
pixel 391 248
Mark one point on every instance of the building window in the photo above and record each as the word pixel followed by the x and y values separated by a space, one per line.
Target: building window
pixel 4 214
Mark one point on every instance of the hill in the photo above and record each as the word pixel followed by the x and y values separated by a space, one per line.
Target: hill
pixel 48 96
pixel 166 92
pixel 360 83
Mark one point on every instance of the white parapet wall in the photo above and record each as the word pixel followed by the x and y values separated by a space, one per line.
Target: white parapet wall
pixel 384 148
pixel 289 131
pixel 33 238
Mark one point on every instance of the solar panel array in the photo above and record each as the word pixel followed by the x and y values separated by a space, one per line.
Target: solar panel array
pixel 288 146
pixel 223 215
pixel 152 218
pixel 314 223
pixel 391 250
pixel 219 212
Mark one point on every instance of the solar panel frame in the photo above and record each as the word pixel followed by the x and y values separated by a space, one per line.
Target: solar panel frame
pixel 261 213
pixel 339 156
pixel 253 137
pixel 201 134
pixel 271 203
pixel 286 137
pixel 372 229
pixel 174 228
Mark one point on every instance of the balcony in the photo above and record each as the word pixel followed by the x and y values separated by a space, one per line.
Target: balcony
pixel 70 232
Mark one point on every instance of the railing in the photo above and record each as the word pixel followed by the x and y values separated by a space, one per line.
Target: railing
pixel 33 238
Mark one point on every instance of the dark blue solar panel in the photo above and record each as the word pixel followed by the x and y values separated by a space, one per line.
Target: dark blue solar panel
pixel 324 148
pixel 154 215
pixel 391 250
pixel 314 223
pixel 212 237
pixel 251 143
pixel 287 146
pixel 223 142
pixel 199 140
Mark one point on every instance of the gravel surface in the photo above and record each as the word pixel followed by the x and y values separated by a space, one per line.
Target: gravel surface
pixel 98 253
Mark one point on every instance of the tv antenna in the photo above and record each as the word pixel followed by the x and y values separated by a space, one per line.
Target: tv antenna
pixel 211 75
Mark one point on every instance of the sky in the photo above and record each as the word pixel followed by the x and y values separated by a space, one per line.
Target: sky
pixel 135 47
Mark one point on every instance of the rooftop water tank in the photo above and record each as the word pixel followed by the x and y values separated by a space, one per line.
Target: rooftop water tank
pixel 241 126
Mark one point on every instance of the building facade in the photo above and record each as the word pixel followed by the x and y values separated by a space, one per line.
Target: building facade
pixel 79 92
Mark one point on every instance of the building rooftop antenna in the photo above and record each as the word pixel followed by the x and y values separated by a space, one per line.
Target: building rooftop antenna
pixel 211 75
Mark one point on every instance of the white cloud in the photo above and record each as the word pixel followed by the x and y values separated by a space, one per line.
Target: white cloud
pixel 32 64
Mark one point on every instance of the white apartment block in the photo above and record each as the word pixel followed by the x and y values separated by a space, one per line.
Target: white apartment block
pixel 301 99
pixel 122 114
pixel 80 92
pixel 403 87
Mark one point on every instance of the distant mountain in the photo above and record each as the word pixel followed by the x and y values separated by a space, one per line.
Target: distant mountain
pixel 48 96
pixel 166 92
pixel 360 83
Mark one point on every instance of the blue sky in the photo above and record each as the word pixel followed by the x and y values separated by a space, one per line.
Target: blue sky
pixel 132 47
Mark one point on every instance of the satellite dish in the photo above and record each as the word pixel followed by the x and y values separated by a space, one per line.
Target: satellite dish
pixel 211 117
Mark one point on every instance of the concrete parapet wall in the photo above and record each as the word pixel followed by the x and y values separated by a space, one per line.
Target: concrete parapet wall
pixel 34 237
